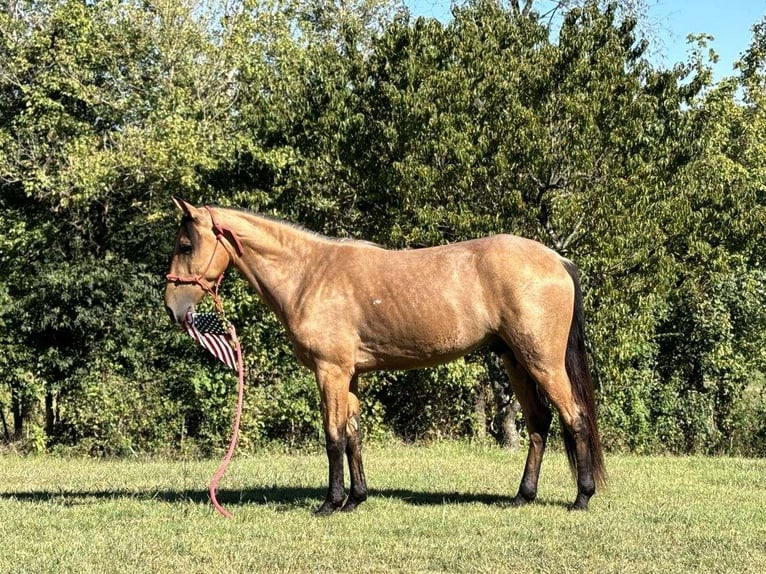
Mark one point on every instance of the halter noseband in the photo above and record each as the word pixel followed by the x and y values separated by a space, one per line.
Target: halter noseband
pixel 199 279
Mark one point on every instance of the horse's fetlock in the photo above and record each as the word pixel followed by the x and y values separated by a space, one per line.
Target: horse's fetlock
pixel 525 495
pixel 587 486
pixel 359 494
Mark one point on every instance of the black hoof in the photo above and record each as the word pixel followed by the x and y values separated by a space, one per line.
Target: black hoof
pixel 580 503
pixel 352 502
pixel 520 500
pixel 350 506
pixel 327 508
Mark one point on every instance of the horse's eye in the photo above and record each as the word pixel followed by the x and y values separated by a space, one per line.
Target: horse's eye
pixel 185 248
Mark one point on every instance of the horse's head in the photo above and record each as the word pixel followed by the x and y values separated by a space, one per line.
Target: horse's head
pixel 198 263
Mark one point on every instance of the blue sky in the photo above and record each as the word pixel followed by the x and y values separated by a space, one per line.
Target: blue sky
pixel 673 20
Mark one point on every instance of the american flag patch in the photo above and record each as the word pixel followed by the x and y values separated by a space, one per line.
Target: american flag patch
pixel 209 330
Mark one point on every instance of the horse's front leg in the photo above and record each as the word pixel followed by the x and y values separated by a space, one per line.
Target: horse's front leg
pixel 334 387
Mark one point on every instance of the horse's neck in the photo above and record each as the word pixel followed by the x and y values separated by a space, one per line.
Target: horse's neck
pixel 274 259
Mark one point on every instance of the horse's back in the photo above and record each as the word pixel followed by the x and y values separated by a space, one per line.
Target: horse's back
pixel 492 276
pixel 496 250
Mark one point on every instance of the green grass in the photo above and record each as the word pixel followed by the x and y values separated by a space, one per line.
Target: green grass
pixel 440 508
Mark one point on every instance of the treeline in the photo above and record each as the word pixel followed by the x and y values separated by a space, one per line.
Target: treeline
pixel 356 120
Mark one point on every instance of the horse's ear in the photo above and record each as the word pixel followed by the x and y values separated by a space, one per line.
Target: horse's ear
pixel 186 208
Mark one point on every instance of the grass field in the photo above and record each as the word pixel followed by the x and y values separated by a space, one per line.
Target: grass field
pixel 438 508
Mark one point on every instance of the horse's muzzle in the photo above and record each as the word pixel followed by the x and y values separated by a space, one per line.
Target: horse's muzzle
pixel 180 299
pixel 182 317
pixel 171 314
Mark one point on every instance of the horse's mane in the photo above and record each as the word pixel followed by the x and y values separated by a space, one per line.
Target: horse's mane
pixel 295 226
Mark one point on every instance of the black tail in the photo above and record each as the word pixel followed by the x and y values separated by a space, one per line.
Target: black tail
pixel 582 384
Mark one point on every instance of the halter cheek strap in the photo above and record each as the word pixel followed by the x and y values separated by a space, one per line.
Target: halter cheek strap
pixel 220 230
pixel 199 279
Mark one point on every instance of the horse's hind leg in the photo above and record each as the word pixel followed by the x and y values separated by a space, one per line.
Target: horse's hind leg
pixel 538 418
pixel 358 492
pixel 577 440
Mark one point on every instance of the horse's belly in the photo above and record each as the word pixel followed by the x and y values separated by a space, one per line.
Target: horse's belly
pixel 417 342
pixel 376 360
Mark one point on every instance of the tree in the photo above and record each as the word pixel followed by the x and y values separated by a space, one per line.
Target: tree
pixel 107 108
pixel 356 120
pixel 488 126
pixel 712 343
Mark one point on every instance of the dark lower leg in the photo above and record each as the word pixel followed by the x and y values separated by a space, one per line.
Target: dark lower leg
pixel 528 487
pixel 538 426
pixel 336 493
pixel 586 485
pixel 538 418
pixel 358 491
pixel 334 390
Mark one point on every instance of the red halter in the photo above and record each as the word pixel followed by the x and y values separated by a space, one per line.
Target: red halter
pixel 199 279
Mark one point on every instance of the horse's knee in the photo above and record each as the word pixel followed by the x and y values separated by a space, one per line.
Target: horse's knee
pixel 336 440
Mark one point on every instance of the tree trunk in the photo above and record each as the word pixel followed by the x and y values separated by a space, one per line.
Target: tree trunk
pixel 18 415
pixel 50 418
pixel 480 414
pixel 504 422
pixel 5 424
pixel 510 434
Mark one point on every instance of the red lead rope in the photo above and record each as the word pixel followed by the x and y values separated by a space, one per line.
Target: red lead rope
pixel 235 430
pixel 212 289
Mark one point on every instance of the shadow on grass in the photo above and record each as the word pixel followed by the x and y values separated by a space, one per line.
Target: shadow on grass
pixel 282 498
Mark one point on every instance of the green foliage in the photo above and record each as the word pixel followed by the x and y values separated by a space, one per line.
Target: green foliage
pixel 436 403
pixel 288 411
pixel 355 120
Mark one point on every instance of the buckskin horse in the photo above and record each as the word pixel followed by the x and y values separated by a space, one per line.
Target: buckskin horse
pixel 350 307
